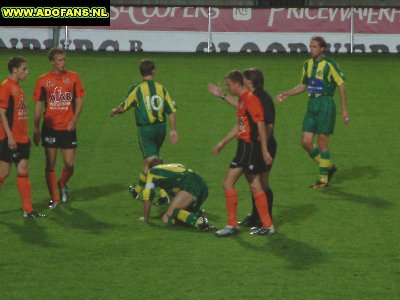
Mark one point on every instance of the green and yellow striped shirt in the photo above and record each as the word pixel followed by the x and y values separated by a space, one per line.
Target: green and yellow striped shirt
pixel 322 76
pixel 151 101
pixel 169 177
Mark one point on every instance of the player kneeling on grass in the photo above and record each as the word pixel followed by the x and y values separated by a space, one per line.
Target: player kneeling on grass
pixel 187 187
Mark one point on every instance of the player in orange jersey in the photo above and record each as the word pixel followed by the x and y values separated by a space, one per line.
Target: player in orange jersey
pixel 252 156
pixel 14 141
pixel 59 93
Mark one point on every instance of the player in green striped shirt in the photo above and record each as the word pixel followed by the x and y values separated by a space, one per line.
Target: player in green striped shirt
pixel 153 105
pixel 189 191
pixel 321 76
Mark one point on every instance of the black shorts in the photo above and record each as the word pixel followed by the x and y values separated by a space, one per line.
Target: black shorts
pixel 63 139
pixel 272 146
pixel 249 157
pixel 9 156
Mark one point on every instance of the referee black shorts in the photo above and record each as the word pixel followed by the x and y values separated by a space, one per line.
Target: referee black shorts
pixel 249 157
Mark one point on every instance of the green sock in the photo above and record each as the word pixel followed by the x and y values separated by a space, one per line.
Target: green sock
pixel 185 217
pixel 324 166
pixel 315 154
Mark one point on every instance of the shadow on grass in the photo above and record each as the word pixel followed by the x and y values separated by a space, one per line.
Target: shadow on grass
pixel 93 192
pixel 368 172
pixel 31 232
pixel 78 219
pixel 299 255
pixel 345 196
pixel 294 214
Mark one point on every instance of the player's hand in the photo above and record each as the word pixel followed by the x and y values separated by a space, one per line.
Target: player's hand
pixel 216 90
pixel 173 136
pixel 71 125
pixel 281 97
pixel 268 158
pixel 12 144
pixel 113 112
pixel 36 137
pixel 345 116
pixel 218 147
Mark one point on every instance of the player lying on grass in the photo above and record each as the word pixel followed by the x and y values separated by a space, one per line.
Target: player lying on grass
pixel 188 189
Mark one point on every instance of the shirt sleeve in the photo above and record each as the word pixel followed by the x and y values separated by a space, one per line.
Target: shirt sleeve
pixel 170 106
pixel 336 74
pixel 80 91
pixel 37 92
pixel 4 95
pixel 255 109
pixel 304 76
pixel 130 100
pixel 148 191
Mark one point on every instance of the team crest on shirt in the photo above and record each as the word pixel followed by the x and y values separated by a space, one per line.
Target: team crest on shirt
pixel 67 80
pixel 319 73
pixel 49 83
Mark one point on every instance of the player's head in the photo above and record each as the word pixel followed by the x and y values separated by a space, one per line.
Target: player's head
pixel 253 78
pixel 18 67
pixel 147 67
pixel 317 46
pixel 155 162
pixel 57 57
pixel 234 81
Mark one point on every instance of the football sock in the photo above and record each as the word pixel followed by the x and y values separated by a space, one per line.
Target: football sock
pixel 254 212
pixel 51 182
pixel 270 199
pixel 231 200
pixel 65 175
pixel 324 166
pixel 185 217
pixel 262 206
pixel 24 188
pixel 163 193
pixel 315 154
pixel 1 181
pixel 141 182
pixel 171 221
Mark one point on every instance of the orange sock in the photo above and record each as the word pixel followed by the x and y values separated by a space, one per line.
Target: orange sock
pixel 231 200
pixel 65 175
pixel 24 188
pixel 1 181
pixel 51 181
pixel 262 207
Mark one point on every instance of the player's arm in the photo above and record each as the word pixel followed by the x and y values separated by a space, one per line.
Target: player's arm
pixel 36 122
pixel 262 132
pixel 124 106
pixel 217 91
pixel 12 144
pixel 294 91
pixel 148 195
pixel 343 99
pixel 173 134
pixel 230 136
pixel 78 109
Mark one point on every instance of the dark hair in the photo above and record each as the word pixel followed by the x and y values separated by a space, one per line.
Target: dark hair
pixel 53 52
pixel 15 62
pixel 235 76
pixel 321 41
pixel 255 76
pixel 155 162
pixel 147 67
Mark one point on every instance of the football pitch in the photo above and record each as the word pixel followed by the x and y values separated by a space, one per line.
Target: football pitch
pixel 338 243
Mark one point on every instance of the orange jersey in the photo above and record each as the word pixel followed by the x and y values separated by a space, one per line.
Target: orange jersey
pixel 12 99
pixel 249 112
pixel 58 93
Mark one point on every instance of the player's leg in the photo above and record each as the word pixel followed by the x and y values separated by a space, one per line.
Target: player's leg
pixel 231 196
pixel 5 161
pixel 260 199
pixel 51 178
pixel 177 209
pixel 68 155
pixel 309 129
pixel 5 168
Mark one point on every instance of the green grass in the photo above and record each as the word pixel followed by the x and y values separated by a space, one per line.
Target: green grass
pixel 341 243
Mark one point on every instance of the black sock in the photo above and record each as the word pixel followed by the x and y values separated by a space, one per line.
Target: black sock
pixel 270 198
